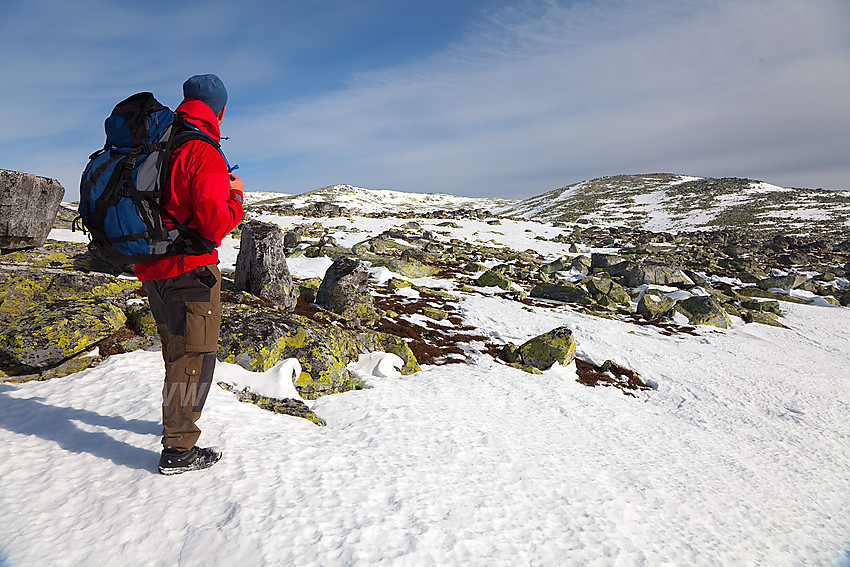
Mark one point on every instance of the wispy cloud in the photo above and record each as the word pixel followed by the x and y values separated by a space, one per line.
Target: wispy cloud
pixel 535 95
pixel 540 97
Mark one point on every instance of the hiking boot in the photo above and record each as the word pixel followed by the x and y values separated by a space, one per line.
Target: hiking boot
pixel 195 459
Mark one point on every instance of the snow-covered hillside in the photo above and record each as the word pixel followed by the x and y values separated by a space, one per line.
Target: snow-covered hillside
pixel 738 456
pixel 359 200
pixel 675 203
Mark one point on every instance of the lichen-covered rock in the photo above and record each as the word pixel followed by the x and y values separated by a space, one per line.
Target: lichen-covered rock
pixel 308 288
pixel 261 264
pixel 370 341
pixel 654 274
pixel 770 305
pixel 291 239
pixel 567 292
pixel 581 264
pixel 51 332
pixel 525 367
pixel 407 268
pixel 752 291
pixel 257 339
pixel 655 305
pixel 787 283
pixel 436 314
pixel 26 288
pixel 28 205
pixel 345 291
pixel 606 291
pixel 556 266
pixel 558 345
pixel 762 317
pixel 704 310
pixel 140 320
pixel 599 261
pixel 494 278
pixel 286 406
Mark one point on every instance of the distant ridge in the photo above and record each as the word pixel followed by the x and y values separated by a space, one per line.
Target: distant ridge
pixel 359 200
pixel 661 202
pixel 677 203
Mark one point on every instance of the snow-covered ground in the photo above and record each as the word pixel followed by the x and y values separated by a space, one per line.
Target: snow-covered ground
pixel 739 456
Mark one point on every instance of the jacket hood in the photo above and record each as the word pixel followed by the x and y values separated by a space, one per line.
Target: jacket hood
pixel 201 115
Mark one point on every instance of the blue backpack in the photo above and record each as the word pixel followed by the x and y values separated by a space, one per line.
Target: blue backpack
pixel 121 187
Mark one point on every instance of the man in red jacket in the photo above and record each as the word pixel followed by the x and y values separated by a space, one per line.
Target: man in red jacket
pixel 185 291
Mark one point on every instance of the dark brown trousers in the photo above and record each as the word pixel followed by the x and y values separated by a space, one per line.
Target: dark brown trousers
pixel 187 310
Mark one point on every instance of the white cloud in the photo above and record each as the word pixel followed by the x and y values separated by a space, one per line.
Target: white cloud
pixel 538 95
pixel 529 102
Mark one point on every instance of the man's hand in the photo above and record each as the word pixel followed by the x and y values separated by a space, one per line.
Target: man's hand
pixel 236 189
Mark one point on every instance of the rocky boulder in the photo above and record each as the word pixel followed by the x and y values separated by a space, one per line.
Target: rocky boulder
pixel 261 264
pixel 599 261
pixel 606 291
pixel 494 278
pixel 655 305
pixel 28 205
pixel 762 317
pixel 345 291
pixel 55 331
pixel 581 264
pixel 408 268
pixel 541 352
pixel 257 338
pixel 566 292
pixel 634 274
pixel 704 310
pixel 291 239
pixel 786 283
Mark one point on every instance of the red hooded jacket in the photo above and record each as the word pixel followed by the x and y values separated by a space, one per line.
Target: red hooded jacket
pixel 199 186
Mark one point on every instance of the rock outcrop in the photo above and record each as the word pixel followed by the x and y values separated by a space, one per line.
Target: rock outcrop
pixel 345 291
pixel 261 264
pixel 28 205
pixel 541 352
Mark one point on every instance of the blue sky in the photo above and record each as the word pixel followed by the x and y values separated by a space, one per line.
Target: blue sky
pixel 468 97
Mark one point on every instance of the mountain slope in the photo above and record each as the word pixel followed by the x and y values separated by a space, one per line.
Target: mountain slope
pixel 670 202
pixel 357 199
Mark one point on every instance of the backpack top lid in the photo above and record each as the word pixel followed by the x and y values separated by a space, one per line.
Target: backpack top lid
pixel 137 120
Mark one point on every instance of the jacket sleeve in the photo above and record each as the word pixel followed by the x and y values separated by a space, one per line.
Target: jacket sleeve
pixel 216 212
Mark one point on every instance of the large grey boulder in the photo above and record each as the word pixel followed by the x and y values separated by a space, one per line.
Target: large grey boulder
pixel 567 292
pixel 261 264
pixel 656 274
pixel 599 261
pixel 633 274
pixel 28 205
pixel 345 291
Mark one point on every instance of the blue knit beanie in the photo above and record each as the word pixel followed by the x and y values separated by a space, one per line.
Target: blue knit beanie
pixel 208 89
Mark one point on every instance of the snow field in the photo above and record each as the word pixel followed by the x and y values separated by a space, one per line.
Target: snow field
pixel 739 456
